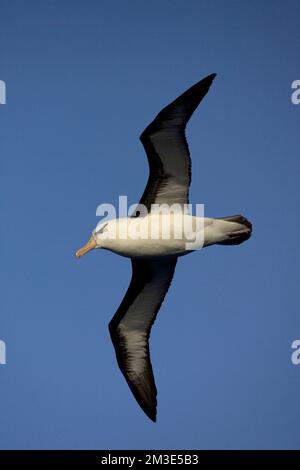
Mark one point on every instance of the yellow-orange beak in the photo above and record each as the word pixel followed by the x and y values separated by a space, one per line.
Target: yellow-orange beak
pixel 90 245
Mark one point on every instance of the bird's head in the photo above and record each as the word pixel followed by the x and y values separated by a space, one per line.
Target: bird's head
pixel 96 240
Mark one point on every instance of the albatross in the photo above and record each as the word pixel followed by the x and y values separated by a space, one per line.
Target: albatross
pixel 154 259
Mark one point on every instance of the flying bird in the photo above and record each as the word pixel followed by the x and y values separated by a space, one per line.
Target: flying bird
pixel 154 259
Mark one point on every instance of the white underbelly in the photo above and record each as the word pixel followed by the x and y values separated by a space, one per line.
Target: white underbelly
pixel 151 236
pixel 147 248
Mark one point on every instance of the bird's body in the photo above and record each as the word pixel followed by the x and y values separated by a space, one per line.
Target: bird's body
pixel 155 241
pixel 157 235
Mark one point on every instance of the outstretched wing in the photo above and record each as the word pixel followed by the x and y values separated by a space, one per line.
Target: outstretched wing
pixel 131 325
pixel 167 149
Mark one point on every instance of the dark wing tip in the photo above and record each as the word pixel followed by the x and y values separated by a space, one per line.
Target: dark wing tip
pixel 189 99
pixel 206 81
pixel 212 76
pixel 148 402
pixel 153 417
pixel 149 406
pixel 151 413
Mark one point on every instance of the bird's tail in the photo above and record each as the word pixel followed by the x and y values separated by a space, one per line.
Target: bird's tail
pixel 238 230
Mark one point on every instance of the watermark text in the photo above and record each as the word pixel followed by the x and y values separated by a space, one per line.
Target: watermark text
pixel 295 357
pixel 2 352
pixel 163 222
pixel 2 92
pixel 295 97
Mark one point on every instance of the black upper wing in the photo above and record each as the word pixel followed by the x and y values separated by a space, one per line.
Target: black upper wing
pixel 167 149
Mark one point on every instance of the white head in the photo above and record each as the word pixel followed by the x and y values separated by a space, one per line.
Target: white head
pixel 99 234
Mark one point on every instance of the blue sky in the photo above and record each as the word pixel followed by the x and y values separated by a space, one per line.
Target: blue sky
pixel 83 80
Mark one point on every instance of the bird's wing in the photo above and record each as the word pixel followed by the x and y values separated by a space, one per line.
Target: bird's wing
pixel 131 325
pixel 167 149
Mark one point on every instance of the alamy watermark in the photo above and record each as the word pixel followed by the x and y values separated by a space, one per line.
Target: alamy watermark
pixel 163 222
pixel 2 352
pixel 295 357
pixel 295 96
pixel 2 92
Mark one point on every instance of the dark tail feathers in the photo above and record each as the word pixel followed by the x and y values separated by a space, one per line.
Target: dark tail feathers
pixel 240 236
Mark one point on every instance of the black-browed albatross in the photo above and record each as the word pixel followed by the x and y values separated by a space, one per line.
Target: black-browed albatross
pixel 154 260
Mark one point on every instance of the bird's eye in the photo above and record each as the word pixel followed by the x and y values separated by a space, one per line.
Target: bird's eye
pixel 101 229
